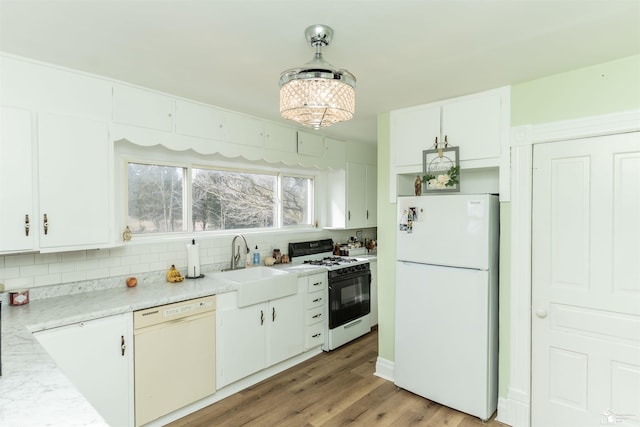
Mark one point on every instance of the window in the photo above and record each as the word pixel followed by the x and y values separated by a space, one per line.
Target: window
pixel 224 200
pixel 156 198
pixel 219 199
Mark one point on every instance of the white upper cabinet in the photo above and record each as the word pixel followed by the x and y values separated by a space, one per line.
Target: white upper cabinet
pixel 356 195
pixel 18 224
pixel 310 144
pixel 473 123
pixel 198 120
pixel 38 87
pixel 239 129
pixel 279 138
pixel 335 153
pixel 412 131
pixel 139 107
pixel 371 214
pixel 352 191
pixel 75 182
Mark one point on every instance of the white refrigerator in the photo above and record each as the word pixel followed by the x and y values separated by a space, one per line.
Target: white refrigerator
pixel 446 338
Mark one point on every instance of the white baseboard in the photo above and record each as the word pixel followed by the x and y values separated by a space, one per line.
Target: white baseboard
pixel 512 412
pixel 384 369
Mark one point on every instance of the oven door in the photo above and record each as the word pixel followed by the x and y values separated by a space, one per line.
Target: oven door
pixel 349 298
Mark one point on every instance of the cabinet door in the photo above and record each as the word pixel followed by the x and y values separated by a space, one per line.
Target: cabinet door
pixel 474 126
pixel 243 130
pixel 143 108
pixel 356 195
pixel 372 195
pixel 198 120
pixel 93 357
pixel 16 182
pixel 286 328
pixel 242 349
pixel 412 131
pixel 310 144
pixel 74 182
pixel 335 153
pixel 280 138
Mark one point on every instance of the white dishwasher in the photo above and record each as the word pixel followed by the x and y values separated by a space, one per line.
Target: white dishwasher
pixel 174 356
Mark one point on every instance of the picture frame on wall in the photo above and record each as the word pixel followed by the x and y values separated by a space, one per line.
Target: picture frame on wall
pixel 441 170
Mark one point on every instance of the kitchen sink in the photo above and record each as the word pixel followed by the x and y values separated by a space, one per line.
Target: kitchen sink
pixel 260 284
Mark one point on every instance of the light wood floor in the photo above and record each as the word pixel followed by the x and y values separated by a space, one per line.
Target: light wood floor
pixel 331 389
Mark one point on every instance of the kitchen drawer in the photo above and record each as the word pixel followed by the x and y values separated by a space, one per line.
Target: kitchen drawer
pixel 315 335
pixel 317 283
pixel 316 299
pixel 316 315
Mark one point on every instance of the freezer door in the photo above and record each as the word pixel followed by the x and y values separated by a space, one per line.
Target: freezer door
pixel 451 230
pixel 446 336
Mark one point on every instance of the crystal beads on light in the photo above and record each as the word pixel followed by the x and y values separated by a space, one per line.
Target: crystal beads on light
pixel 317 103
pixel 317 95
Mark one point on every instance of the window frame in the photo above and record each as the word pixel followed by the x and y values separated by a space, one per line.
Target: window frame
pixel 158 155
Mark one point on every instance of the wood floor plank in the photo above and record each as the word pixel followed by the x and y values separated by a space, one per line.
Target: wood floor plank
pixel 331 389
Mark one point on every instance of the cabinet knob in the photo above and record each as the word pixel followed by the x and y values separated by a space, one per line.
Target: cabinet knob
pixel 122 345
pixel 45 224
pixel 261 317
pixel 27 226
pixel 273 314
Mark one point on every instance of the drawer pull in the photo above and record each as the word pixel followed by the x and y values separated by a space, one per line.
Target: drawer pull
pixel 316 335
pixel 317 300
pixel 317 315
pixel 317 284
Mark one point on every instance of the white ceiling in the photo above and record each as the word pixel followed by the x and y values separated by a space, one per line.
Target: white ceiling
pixel 230 53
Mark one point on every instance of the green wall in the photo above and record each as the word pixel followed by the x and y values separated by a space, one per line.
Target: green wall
pixel 386 247
pixel 598 89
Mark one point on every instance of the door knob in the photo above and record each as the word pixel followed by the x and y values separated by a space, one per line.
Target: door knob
pixel 541 313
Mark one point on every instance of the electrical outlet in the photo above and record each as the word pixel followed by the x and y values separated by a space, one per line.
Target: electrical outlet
pixel 1 287
pixel 359 235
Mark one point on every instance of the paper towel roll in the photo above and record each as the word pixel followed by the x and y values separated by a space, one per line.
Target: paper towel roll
pixel 193 260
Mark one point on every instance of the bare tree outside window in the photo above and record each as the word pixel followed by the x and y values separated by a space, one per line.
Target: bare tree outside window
pixel 155 198
pixel 297 197
pixel 226 200
pixel 221 199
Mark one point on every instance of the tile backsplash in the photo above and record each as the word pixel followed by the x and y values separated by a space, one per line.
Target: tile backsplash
pixel 81 271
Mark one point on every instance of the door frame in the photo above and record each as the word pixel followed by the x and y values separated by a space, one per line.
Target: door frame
pixel 515 408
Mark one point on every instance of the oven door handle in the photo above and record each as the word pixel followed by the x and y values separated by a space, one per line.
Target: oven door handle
pixel 353 323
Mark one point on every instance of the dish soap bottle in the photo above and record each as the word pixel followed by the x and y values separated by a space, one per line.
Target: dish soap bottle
pixel 256 257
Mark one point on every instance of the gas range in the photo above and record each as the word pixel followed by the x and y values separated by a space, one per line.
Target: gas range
pixel 348 290
pixel 320 253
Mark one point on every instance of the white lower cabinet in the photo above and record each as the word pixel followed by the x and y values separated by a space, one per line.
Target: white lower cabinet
pixel 97 356
pixel 316 309
pixel 255 337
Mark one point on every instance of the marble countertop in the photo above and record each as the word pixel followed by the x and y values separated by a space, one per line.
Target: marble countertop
pixel 33 390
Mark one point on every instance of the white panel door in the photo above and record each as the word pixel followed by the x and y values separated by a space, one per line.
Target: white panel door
pixel 586 282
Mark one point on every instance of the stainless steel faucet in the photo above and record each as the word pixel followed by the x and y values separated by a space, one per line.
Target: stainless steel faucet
pixel 235 256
